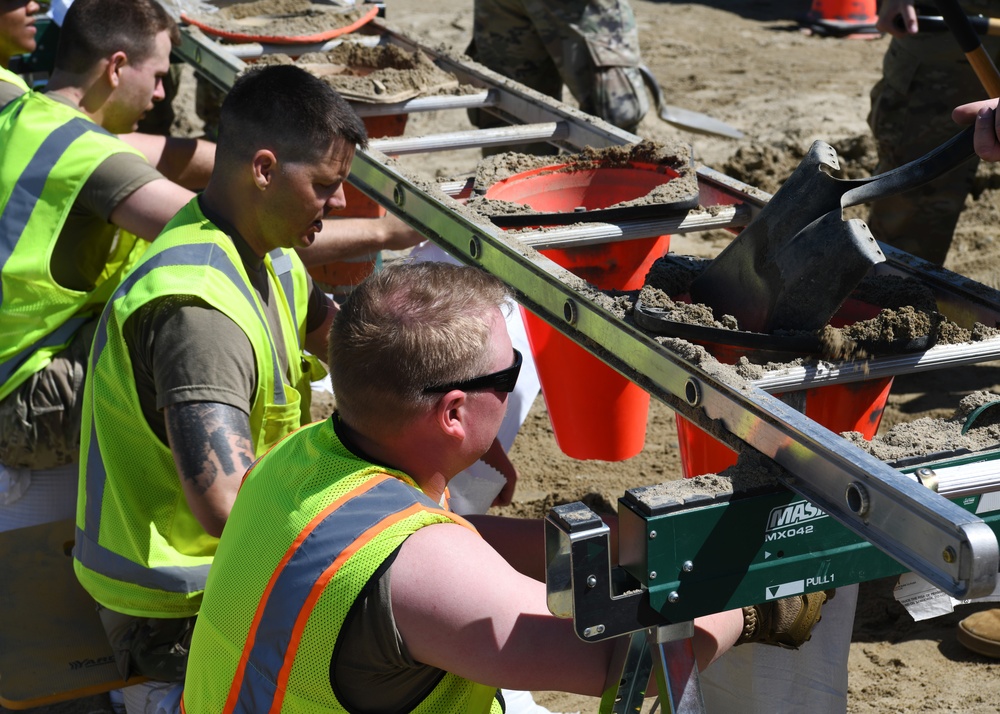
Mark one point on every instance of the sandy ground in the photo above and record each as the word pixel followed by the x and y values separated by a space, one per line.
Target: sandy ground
pixel 746 62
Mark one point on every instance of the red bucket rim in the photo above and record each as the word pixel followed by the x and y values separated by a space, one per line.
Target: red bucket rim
pixel 573 167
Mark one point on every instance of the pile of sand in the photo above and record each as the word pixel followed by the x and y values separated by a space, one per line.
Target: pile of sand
pixel 280 18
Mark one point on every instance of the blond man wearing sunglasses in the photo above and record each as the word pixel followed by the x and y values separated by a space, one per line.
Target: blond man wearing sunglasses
pixel 343 582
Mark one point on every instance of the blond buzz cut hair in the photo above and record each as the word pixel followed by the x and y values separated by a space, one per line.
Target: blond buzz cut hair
pixel 406 328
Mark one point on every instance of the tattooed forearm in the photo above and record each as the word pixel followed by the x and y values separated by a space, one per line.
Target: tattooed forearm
pixel 209 440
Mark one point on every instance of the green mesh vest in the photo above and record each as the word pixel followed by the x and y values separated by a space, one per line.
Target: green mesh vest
pixel 139 549
pixel 311 525
pixel 47 152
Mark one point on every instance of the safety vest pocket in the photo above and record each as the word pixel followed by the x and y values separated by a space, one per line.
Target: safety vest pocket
pixel 281 419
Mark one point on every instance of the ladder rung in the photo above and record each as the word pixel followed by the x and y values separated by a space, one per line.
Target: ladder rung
pixel 585 234
pixel 520 134
pixel 484 98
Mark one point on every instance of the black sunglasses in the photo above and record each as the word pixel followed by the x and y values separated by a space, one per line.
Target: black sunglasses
pixel 502 381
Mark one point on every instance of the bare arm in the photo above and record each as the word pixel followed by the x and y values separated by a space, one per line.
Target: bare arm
pixel 187 162
pixel 148 209
pixel 347 238
pixel 317 340
pixel 460 607
pixel 521 541
pixel 212 450
pixel 496 458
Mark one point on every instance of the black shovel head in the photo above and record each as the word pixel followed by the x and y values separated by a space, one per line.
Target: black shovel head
pixel 804 297
pixel 746 279
pixel 740 280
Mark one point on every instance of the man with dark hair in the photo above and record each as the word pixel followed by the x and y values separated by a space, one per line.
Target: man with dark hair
pixel 101 29
pixel 74 202
pixel 343 582
pixel 199 365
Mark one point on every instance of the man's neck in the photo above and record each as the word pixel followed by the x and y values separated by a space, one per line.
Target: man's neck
pixel 87 92
pixel 76 95
pixel 224 201
pixel 409 457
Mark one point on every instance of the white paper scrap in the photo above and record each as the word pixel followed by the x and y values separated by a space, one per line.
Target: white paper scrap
pixel 924 601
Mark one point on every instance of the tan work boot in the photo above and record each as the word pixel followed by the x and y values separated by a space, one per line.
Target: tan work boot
pixel 784 623
pixel 981 633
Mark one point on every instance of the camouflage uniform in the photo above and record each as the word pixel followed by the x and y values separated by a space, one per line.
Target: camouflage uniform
pixel 924 77
pixel 590 45
pixel 40 420
pixel 155 647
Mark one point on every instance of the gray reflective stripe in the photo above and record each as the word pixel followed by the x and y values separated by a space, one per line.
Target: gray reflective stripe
pixel 193 254
pixel 282 265
pixel 306 560
pixel 30 184
pixel 281 261
pixel 61 335
pixel 99 558
pixel 172 579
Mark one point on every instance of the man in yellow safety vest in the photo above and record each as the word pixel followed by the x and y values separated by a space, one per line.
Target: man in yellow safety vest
pixel 344 583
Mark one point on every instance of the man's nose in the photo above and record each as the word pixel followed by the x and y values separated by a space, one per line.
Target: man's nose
pixel 337 201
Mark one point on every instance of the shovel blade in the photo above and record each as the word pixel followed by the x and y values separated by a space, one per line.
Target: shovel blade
pixel 685 118
pixel 799 285
pixel 818 270
pixel 740 280
pixel 697 122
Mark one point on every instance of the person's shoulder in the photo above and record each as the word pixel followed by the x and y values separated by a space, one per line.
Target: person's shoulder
pixel 447 543
pixel 12 86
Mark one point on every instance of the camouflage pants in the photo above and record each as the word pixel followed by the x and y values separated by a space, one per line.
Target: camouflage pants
pixel 40 420
pixel 924 77
pixel 148 646
pixel 591 46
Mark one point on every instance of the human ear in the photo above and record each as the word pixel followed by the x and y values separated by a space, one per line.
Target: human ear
pixel 449 414
pixel 264 165
pixel 114 67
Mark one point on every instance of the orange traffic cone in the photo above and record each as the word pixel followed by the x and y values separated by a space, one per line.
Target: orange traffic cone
pixel 854 19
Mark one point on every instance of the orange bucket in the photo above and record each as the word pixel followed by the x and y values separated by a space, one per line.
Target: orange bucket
pixel 852 19
pixel 596 413
pixel 856 406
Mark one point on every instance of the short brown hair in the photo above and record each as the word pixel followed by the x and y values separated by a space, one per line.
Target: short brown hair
pixel 407 327
pixel 95 29
pixel 284 108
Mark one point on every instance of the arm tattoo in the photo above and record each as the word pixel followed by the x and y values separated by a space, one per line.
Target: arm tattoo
pixel 209 440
